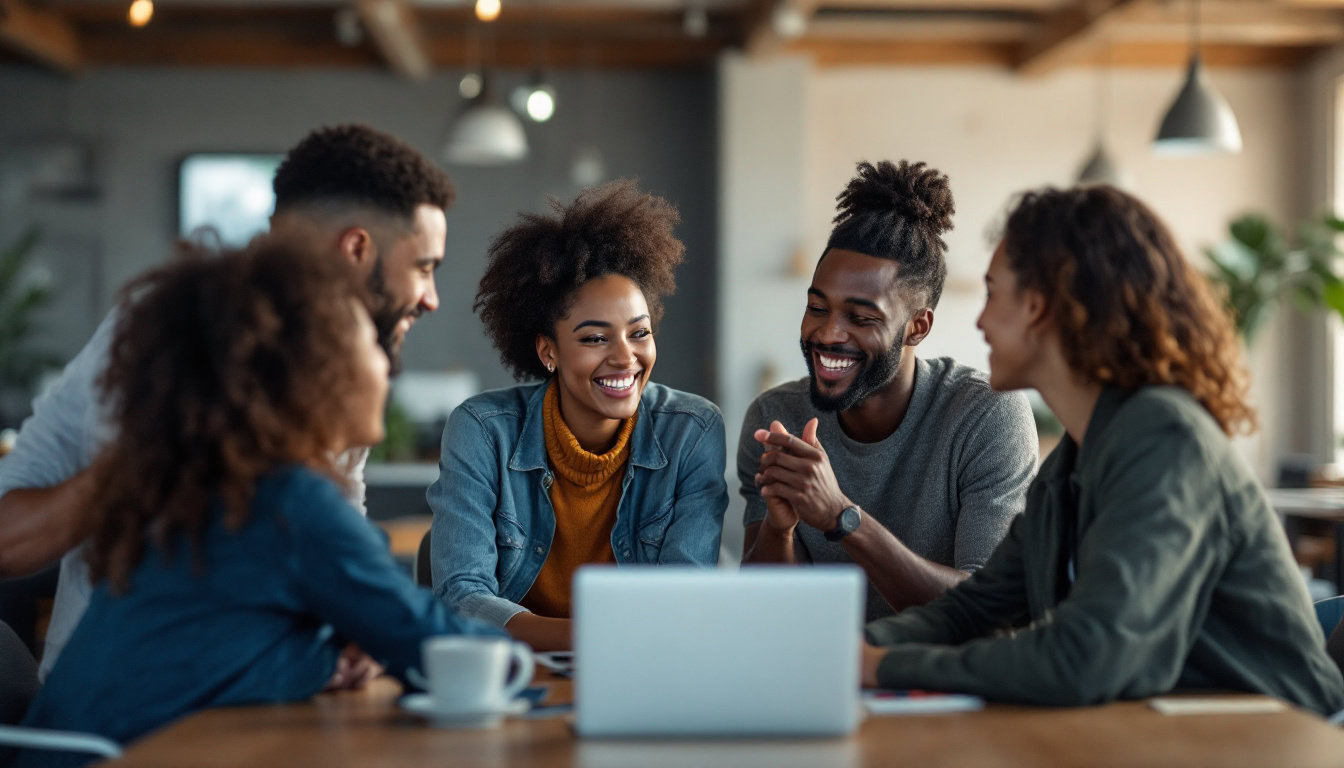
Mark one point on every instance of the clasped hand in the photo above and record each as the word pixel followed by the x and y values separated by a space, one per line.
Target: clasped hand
pixel 796 479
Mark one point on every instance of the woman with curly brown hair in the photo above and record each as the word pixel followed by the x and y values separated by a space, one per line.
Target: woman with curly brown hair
pixel 1148 558
pixel 594 464
pixel 228 566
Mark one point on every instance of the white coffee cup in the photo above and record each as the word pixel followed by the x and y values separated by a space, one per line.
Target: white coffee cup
pixel 471 674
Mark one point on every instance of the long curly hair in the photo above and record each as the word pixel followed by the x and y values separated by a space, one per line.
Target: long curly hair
pixel 222 368
pixel 899 211
pixel 537 265
pixel 1129 309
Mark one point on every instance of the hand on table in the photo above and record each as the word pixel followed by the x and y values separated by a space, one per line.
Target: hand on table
pixel 354 669
pixel 870 657
pixel 797 471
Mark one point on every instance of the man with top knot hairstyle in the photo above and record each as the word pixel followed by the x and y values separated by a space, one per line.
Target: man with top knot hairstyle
pixel 912 468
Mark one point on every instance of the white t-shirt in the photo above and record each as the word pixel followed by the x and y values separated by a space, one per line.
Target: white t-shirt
pixel 67 429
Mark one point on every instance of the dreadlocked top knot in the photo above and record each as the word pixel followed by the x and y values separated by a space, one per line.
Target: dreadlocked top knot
pixel 915 191
pixel 898 212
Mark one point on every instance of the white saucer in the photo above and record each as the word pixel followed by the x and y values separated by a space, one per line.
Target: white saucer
pixel 423 704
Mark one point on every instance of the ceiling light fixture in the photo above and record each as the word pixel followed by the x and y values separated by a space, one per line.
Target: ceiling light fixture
pixel 1199 121
pixel 140 13
pixel 787 21
pixel 486 133
pixel 487 10
pixel 696 21
pixel 1100 168
pixel 536 99
pixel 469 87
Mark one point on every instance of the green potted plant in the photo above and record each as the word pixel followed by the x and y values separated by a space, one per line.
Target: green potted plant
pixel 1258 266
pixel 21 297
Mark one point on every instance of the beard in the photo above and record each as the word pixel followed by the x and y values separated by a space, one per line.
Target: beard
pixel 386 314
pixel 874 374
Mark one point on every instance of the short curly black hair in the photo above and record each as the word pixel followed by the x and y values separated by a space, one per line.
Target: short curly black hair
pixel 899 212
pixel 536 266
pixel 357 165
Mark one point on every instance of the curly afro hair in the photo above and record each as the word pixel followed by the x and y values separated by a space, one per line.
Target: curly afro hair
pixel 356 165
pixel 536 266
pixel 899 212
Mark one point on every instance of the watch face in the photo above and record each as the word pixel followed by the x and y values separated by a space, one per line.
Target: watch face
pixel 849 519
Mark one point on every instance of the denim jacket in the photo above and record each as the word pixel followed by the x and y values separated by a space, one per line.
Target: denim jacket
pixel 493 520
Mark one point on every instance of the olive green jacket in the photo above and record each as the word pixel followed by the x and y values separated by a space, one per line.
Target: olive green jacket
pixel 1184 578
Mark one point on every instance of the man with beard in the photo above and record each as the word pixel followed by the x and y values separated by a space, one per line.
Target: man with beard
pixel 912 468
pixel 364 196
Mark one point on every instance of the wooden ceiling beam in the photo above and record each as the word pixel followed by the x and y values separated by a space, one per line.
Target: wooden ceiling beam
pixel 397 36
pixel 40 36
pixel 225 48
pixel 984 30
pixel 1324 32
pixel 1036 6
pixel 1168 55
pixel 1066 34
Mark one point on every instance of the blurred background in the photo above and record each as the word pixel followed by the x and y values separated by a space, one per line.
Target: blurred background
pixel 126 125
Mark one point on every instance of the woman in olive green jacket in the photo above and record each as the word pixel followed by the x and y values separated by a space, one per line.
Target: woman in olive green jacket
pixel 1148 558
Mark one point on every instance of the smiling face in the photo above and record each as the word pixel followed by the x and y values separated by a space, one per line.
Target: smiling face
pixel 1007 323
pixel 602 352
pixel 853 329
pixel 402 279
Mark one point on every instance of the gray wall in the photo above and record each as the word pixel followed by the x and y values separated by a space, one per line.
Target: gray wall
pixel 657 126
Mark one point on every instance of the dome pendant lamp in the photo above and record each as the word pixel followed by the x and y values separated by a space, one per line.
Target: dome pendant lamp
pixel 1199 121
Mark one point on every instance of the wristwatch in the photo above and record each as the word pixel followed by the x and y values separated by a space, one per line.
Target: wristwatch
pixel 850 517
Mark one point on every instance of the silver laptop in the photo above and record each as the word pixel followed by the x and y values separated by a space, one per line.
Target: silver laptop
pixel 708 652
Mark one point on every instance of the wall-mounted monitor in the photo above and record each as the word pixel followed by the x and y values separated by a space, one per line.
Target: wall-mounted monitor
pixel 230 193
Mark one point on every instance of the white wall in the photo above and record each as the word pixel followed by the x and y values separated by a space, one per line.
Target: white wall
pixel 762 149
pixel 994 134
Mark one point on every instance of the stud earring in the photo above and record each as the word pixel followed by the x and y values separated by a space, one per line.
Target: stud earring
pixel 550 367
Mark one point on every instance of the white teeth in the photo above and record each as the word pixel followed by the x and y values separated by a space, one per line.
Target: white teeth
pixel 835 363
pixel 624 382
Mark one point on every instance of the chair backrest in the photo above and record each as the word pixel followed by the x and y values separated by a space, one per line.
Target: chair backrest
pixel 18 676
pixel 420 566
pixel 58 741
pixel 1329 612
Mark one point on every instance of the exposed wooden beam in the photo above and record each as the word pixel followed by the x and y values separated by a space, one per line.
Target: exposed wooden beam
pixel 879 52
pixel 1065 34
pixel 227 48
pixel 396 34
pixel 1165 55
pixel 982 30
pixel 40 36
pixel 1323 32
pixel 1038 6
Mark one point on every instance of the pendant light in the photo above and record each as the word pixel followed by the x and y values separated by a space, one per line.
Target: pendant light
pixel 1199 121
pixel 486 132
pixel 1099 167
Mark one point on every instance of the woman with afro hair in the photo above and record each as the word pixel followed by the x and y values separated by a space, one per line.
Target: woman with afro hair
pixel 593 462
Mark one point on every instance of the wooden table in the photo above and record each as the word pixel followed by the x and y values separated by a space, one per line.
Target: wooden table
pixel 366 729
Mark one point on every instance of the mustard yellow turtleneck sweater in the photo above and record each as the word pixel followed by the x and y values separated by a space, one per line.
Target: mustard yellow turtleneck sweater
pixel 585 494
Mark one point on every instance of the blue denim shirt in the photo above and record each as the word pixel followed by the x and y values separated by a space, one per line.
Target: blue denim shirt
pixel 264 620
pixel 493 521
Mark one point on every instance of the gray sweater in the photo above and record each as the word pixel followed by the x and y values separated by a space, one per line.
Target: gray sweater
pixel 1181 578
pixel 946 483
